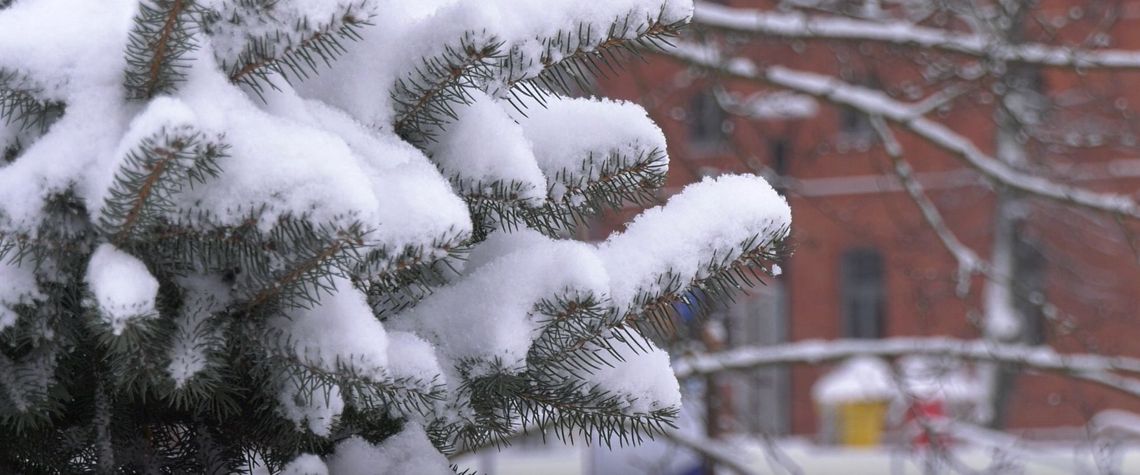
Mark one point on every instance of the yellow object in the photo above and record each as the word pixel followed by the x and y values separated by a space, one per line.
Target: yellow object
pixel 860 424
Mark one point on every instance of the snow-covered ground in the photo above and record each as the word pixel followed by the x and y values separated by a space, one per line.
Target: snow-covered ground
pixel 805 457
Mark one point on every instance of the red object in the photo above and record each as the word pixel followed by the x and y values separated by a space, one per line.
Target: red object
pixel 924 419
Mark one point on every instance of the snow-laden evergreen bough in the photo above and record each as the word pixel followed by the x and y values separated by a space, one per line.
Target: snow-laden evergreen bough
pixel 324 236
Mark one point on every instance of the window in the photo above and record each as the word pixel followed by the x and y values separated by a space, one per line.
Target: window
pixel 863 294
pixel 759 399
pixel 854 125
pixel 778 154
pixel 706 121
pixel 1029 286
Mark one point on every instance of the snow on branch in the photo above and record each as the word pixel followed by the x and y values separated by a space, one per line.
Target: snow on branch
pixel 713 449
pixel 288 43
pixel 1116 421
pixel 153 172
pixel 122 288
pixel 20 104
pixel 506 160
pixel 723 231
pixel 799 26
pixel 522 51
pixel 910 117
pixel 1090 367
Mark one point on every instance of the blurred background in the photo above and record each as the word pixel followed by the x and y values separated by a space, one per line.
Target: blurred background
pixel 964 285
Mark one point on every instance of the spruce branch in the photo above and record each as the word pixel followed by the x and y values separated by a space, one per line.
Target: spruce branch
pixel 156 170
pixel 20 102
pixel 408 396
pixel 10 151
pixel 609 183
pixel 573 57
pixel 395 284
pixel 724 277
pixel 573 197
pixel 292 51
pixel 202 329
pixel 426 99
pixel 309 258
pixel 499 205
pixel 504 400
pixel 197 242
pixel 158 45
pixel 578 333
pixel 63 239
pixel 28 385
pixel 134 357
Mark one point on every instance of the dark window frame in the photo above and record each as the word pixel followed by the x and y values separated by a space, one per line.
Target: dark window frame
pixel 705 119
pixel 863 294
pixel 1029 278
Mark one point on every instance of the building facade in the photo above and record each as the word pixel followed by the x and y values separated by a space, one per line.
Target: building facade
pixel 866 262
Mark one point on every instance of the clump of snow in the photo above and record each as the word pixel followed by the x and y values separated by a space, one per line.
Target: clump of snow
pixel 409 451
pixel 410 357
pixel 287 166
pixel 707 220
pixel 123 288
pixel 314 408
pixel 483 146
pixel 194 335
pixel 17 287
pixel 859 379
pixel 488 314
pixel 305 464
pixel 574 137
pixel 74 68
pixel 303 158
pixel 67 66
pixel 501 243
pixel 187 356
pixel 415 202
pixel 339 330
pixel 641 376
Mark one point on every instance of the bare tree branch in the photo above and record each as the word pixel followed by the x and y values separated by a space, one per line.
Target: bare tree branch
pixel 968 260
pixel 1041 358
pixel 874 103
pixel 798 26
pixel 713 449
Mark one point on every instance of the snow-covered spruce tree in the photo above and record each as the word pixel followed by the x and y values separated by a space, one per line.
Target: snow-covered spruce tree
pixel 323 236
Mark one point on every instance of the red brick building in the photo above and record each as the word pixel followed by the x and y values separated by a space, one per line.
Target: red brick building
pixel 866 263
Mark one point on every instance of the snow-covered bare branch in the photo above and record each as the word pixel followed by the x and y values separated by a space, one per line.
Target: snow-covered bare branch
pixel 909 117
pixel 1041 358
pixel 801 26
